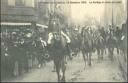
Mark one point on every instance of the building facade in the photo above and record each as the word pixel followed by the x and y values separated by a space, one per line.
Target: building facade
pixel 18 10
pixel 115 13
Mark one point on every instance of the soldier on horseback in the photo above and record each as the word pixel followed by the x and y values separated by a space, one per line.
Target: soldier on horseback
pixel 58 45
pixel 111 41
pixel 118 34
pixel 57 33
pixel 87 44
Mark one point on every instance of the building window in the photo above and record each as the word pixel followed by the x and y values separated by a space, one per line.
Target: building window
pixel 19 2
pixel 11 2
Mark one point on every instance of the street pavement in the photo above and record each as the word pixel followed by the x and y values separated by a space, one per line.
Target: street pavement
pixel 104 71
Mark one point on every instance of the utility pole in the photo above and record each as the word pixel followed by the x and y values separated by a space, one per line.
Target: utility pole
pixel 112 14
pixel 127 10
pixel 127 13
pixel 54 6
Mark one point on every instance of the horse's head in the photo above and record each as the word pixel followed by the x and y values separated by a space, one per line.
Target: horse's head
pixel 86 34
pixel 56 36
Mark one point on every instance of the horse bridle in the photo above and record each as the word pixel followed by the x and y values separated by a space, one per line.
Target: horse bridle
pixel 56 35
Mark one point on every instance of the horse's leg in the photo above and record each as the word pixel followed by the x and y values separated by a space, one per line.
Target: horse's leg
pixel 117 48
pixel 57 70
pixel 125 54
pixel 25 64
pixel 63 70
pixel 21 67
pixel 87 54
pixel 33 60
pixel 102 53
pixel 39 61
pixel 54 68
pixel 83 53
pixel 98 53
pixel 58 73
pixel 111 53
pixel 105 50
pixel 89 58
pixel 78 51
pixel 105 47
pixel 63 77
pixel 43 62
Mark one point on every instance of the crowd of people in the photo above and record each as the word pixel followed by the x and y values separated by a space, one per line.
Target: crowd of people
pixel 19 45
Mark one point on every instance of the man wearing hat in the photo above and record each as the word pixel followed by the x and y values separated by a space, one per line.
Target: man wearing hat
pixel 56 29
pixel 58 35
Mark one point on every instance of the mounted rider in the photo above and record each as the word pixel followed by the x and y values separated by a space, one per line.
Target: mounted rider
pixel 58 47
pixel 56 33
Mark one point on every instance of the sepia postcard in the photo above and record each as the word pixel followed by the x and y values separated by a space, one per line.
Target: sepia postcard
pixel 63 40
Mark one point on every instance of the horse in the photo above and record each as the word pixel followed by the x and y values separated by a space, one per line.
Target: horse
pixel 75 43
pixel 99 45
pixel 57 51
pixel 86 46
pixel 123 41
pixel 123 46
pixel 123 51
pixel 111 44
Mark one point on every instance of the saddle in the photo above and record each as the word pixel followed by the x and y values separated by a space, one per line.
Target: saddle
pixel 58 45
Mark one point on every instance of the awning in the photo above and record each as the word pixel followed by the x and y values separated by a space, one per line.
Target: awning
pixel 21 24
pixel 14 24
pixel 42 26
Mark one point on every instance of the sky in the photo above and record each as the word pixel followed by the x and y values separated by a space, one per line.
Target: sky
pixel 81 11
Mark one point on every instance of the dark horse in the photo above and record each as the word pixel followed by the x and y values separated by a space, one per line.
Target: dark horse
pixel 75 44
pixel 99 45
pixel 58 54
pixel 111 44
pixel 87 46
pixel 123 41
pixel 57 47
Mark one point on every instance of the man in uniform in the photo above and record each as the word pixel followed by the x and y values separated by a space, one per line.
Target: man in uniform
pixel 54 34
pixel 57 33
pixel 118 34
